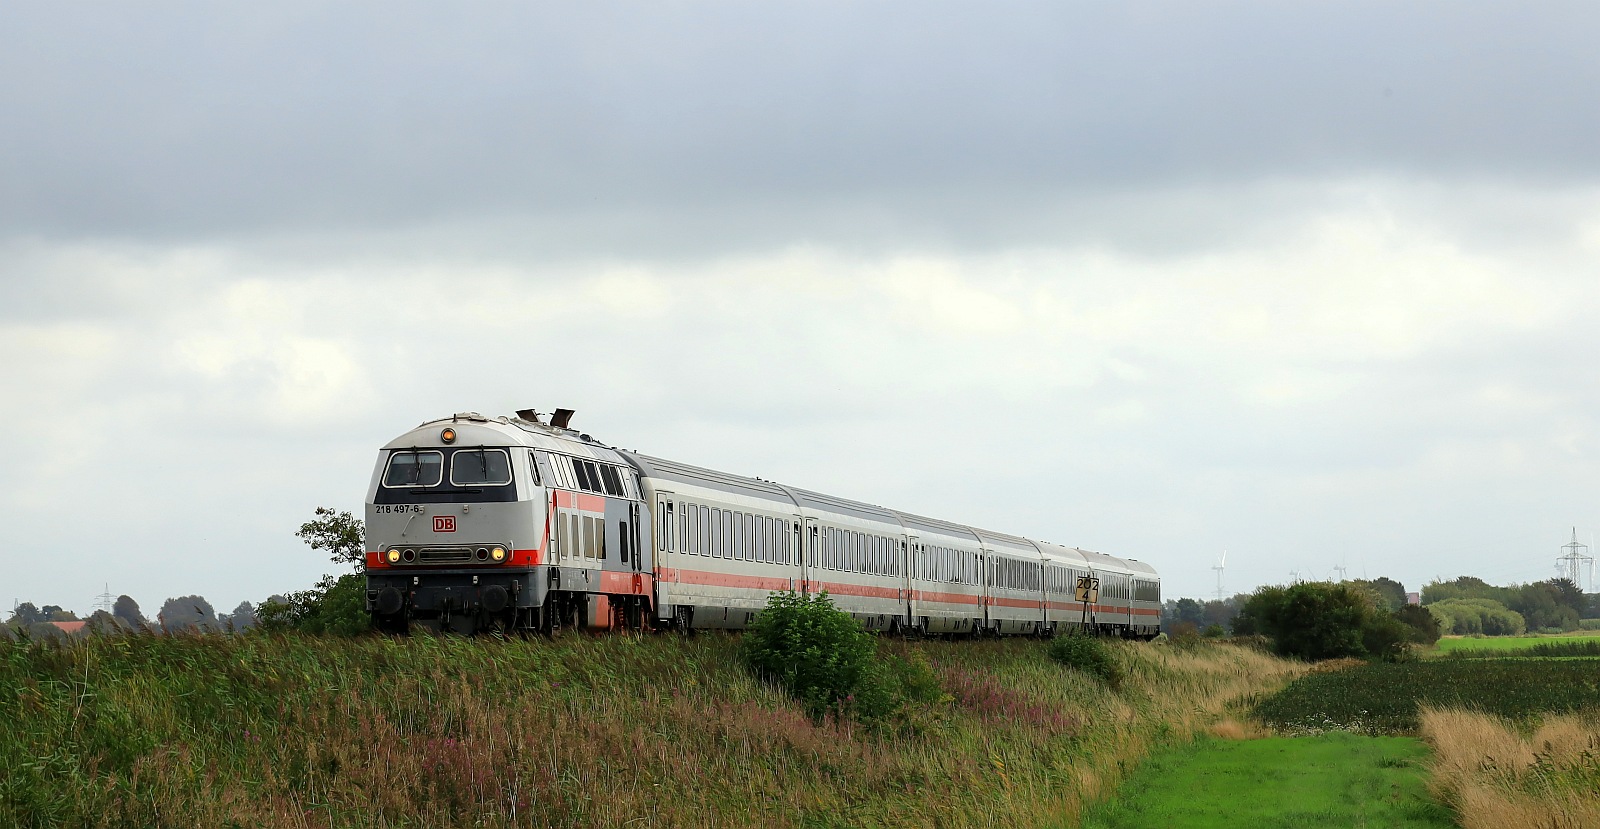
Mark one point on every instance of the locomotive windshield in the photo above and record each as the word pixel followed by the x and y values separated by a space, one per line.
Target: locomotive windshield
pixel 476 473
pixel 485 467
pixel 415 469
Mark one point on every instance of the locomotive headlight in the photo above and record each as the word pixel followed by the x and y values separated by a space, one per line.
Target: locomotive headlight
pixel 448 435
pixel 393 555
pixel 498 554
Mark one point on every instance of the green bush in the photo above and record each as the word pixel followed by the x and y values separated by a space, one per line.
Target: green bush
pixel 1087 654
pixel 1321 620
pixel 333 606
pixel 1466 617
pixel 832 666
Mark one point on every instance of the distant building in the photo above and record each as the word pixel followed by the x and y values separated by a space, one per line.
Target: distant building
pixel 1413 598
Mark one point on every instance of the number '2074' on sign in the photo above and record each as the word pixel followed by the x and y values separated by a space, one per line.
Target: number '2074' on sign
pixel 444 523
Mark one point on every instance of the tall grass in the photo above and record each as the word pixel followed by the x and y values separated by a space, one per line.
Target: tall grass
pixel 307 731
pixel 1495 774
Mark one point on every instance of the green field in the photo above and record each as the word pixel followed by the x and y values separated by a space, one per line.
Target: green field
pixel 1382 698
pixel 1335 780
pixel 1508 643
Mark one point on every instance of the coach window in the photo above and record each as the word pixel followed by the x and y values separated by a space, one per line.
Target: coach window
pixel 408 469
pixel 691 538
pixel 719 538
pixel 665 541
pixel 704 532
pixel 737 535
pixel 752 533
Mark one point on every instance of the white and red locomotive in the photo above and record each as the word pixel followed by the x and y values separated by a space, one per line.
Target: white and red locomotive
pixel 518 524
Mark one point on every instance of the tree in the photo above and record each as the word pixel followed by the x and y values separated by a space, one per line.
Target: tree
pixel 188 613
pixel 242 618
pixel 1391 594
pixel 1465 587
pixel 127 610
pixel 1543 605
pixel 26 614
pixel 1569 594
pixel 103 622
pixel 55 613
pixel 341 534
pixel 1423 625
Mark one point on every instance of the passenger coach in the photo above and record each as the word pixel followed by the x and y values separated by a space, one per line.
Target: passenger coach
pixel 520 524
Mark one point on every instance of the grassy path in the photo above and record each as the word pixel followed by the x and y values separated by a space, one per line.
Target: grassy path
pixel 1333 780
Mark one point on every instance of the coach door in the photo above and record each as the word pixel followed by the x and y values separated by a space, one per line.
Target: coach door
pixel 910 571
pixel 808 556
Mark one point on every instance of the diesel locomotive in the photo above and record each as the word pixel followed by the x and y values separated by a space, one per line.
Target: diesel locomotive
pixel 525 524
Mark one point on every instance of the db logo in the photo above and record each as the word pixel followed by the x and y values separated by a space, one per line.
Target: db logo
pixel 444 523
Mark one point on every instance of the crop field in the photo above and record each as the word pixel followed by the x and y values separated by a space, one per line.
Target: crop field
pixel 306 731
pixel 1383 698
pixel 1332 780
pixel 1451 644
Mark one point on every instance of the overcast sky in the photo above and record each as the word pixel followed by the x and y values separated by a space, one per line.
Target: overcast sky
pixel 1317 284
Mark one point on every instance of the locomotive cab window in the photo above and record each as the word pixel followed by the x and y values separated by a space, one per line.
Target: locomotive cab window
pixel 414 469
pixel 485 467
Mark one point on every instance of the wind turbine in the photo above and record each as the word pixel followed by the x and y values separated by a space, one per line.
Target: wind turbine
pixel 1219 567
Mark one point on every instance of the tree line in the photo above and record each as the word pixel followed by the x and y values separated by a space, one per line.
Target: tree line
pixel 1362 618
pixel 335 605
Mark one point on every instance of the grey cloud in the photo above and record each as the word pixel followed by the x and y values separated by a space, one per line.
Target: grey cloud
pixel 191 119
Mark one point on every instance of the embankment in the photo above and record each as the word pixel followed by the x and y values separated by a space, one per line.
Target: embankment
pixel 270 731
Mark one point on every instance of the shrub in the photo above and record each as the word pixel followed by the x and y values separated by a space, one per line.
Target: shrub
pixel 337 607
pixel 821 656
pixel 1320 620
pixel 1466 617
pixel 1087 654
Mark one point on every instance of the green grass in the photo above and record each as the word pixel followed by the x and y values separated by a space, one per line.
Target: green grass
pixel 317 731
pixel 1506 643
pixel 1382 698
pixel 1548 649
pixel 1335 780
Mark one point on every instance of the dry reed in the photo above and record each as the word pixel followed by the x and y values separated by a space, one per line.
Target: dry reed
pixel 1495 775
